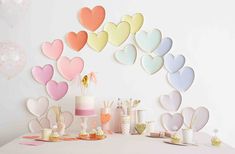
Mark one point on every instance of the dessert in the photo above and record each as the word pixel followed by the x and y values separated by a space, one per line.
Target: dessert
pixel 83 134
pixel 215 141
pixel 175 139
pixel 93 134
pixel 100 133
pixel 85 106
pixel 54 137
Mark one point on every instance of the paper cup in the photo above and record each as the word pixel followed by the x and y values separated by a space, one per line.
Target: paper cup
pixel 187 136
pixel 45 133
pixel 141 116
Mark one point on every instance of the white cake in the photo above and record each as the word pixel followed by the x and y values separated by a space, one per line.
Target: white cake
pixel 85 106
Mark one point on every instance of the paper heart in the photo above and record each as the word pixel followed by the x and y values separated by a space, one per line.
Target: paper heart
pixel 117 33
pixel 181 80
pixel 136 21
pixel 45 123
pixel 172 101
pixel 43 74
pixel 172 122
pixel 127 56
pixel 76 41
pixel 56 90
pixel 37 107
pixel 91 19
pixel 195 119
pixel 148 41
pixel 140 128
pixel 151 64
pixel 97 41
pixel 53 50
pixel 164 47
pixel 69 69
pixel 68 117
pixel 173 63
pixel 34 126
pixel 105 118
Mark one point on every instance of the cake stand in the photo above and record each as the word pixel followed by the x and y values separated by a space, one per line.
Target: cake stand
pixel 84 120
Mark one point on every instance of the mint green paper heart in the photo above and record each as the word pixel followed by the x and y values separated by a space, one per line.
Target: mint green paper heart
pixel 151 64
pixel 127 56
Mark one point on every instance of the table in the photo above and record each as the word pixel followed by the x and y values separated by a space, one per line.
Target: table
pixel 117 144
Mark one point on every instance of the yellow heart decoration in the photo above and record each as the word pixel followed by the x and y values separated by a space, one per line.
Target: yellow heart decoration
pixel 97 41
pixel 117 33
pixel 136 21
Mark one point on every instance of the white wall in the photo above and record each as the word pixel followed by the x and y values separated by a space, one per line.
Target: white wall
pixel 203 31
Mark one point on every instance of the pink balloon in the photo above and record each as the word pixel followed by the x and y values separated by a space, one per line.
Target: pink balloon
pixel 69 69
pixel 53 50
pixel 43 74
pixel 56 90
pixel 12 59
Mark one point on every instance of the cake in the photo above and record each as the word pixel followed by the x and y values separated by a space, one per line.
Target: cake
pixel 85 106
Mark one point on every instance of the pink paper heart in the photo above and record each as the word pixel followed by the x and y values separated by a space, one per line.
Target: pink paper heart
pixel 53 50
pixel 69 69
pixel 172 101
pixel 35 126
pixel 37 107
pixel 172 122
pixel 56 90
pixel 195 119
pixel 43 74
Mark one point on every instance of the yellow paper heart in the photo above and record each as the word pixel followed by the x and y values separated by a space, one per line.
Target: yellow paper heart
pixel 136 21
pixel 97 41
pixel 117 34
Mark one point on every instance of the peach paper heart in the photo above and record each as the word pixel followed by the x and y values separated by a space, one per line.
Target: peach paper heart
pixel 76 41
pixel 56 90
pixel 105 118
pixel 43 74
pixel 69 69
pixel 91 19
pixel 53 50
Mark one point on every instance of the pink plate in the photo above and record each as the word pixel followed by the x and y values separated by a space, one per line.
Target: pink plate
pixel 43 74
pixel 172 122
pixel 56 90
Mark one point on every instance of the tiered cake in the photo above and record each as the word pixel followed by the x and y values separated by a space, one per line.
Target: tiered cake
pixel 85 106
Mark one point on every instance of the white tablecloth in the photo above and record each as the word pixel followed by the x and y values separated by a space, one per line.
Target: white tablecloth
pixel 117 144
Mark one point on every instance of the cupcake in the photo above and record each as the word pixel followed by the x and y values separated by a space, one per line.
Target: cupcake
pixel 93 134
pixel 175 139
pixel 83 134
pixel 215 141
pixel 100 133
pixel 54 137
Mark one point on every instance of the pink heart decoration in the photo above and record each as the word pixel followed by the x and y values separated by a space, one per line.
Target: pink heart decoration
pixel 172 122
pixel 172 101
pixel 56 90
pixel 53 50
pixel 45 123
pixel 35 126
pixel 38 107
pixel 43 74
pixel 195 119
pixel 69 69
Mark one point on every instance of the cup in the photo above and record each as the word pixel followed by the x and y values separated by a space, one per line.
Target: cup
pixel 150 127
pixel 141 116
pixel 45 133
pixel 187 136
pixel 125 124
pixel 106 119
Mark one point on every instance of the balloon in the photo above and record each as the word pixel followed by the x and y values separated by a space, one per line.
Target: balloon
pixel 12 59
pixel 12 11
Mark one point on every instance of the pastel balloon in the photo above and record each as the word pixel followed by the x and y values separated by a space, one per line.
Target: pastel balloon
pixel 172 122
pixel 181 80
pixel 43 74
pixel 173 63
pixel 68 118
pixel 136 21
pixel 172 101
pixel 97 41
pixel 164 47
pixel 70 68
pixel 195 118
pixel 76 41
pixel 53 50
pixel 151 64
pixel 37 107
pixel 148 41
pixel 56 90
pixel 91 19
pixel 12 59
pixel 127 56
pixel 117 34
